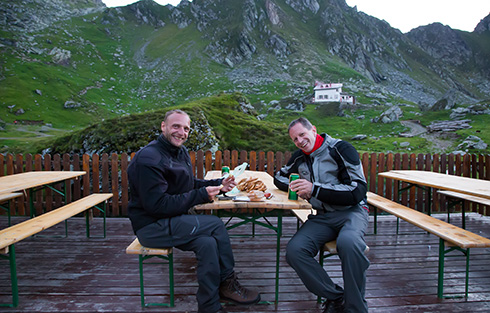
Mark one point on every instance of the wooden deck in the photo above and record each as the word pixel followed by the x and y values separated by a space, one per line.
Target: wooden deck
pixel 77 274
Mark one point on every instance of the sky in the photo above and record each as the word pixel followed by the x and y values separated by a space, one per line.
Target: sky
pixel 404 15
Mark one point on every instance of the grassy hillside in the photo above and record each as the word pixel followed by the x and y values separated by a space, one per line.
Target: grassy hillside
pixel 232 128
pixel 221 119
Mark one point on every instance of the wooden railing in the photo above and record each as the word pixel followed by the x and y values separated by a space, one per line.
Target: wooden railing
pixel 108 173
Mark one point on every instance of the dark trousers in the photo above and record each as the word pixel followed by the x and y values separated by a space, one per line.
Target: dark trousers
pixel 207 237
pixel 348 227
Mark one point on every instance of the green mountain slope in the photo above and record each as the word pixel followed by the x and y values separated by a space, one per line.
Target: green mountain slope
pixel 80 65
pixel 217 123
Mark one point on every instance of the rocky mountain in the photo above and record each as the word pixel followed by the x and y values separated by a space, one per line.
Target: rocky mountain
pixel 70 64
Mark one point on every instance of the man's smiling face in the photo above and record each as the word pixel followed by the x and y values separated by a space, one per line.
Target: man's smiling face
pixel 302 137
pixel 176 128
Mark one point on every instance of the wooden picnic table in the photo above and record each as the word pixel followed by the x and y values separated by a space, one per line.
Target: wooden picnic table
pixel 254 211
pixel 470 186
pixel 28 180
pixel 36 180
pixel 427 180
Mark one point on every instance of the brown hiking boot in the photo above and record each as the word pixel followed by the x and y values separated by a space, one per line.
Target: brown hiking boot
pixel 230 289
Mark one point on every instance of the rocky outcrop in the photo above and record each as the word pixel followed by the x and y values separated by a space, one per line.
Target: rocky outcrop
pixel 202 135
pixel 472 142
pixel 483 26
pixel 144 11
pixel 304 6
pixel 448 126
pixel 272 12
pixel 60 56
pixel 441 42
pixel 391 115
pixel 27 16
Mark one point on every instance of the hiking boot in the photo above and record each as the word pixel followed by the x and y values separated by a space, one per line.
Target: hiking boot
pixel 334 306
pixel 230 289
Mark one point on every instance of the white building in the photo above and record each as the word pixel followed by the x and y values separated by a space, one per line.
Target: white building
pixel 331 93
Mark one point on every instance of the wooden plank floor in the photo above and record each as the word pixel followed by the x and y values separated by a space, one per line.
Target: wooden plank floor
pixel 77 274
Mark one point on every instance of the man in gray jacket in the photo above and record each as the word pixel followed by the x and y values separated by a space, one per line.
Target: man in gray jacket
pixel 332 180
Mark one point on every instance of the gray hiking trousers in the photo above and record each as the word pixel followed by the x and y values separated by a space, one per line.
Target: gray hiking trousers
pixel 348 227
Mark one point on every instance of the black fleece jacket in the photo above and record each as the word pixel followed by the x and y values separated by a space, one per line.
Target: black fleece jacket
pixel 162 183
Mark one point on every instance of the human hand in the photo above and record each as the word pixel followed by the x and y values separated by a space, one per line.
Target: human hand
pixel 228 183
pixel 213 191
pixel 302 187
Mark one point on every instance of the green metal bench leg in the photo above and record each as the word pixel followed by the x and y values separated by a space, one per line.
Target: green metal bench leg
pixel 87 221
pixel 7 208
pixel 467 278
pixel 170 261
pixel 453 203
pixel 440 277
pixel 278 252
pixel 13 278
pixel 142 282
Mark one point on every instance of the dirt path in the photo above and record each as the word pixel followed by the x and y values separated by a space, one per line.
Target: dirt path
pixel 416 129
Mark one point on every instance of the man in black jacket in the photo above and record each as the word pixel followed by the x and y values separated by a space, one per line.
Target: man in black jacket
pixel 163 189
pixel 332 180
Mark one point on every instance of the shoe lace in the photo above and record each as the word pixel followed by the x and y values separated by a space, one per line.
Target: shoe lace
pixel 235 286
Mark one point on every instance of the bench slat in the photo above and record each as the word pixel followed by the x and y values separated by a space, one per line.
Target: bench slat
pixel 18 232
pixel 136 248
pixel 464 196
pixel 446 231
pixel 302 215
pixel 9 196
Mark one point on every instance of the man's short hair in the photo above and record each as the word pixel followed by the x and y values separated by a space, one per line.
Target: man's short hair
pixel 174 111
pixel 303 121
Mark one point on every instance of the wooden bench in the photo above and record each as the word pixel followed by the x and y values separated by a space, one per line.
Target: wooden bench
pixel 18 232
pixel 145 253
pixel 450 237
pixel 329 249
pixel 461 198
pixel 6 197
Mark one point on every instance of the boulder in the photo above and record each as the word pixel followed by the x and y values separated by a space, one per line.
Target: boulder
pixel 473 142
pixel 391 115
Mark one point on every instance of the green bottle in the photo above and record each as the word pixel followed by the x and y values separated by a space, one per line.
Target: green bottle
pixel 292 195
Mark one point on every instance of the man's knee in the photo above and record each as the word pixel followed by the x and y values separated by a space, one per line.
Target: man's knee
pixel 205 246
pixel 215 223
pixel 296 249
pixel 350 244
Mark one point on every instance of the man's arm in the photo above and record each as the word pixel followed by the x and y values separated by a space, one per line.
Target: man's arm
pixel 198 183
pixel 281 178
pixel 152 188
pixel 352 188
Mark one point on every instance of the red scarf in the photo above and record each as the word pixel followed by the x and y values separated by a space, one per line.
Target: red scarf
pixel 318 143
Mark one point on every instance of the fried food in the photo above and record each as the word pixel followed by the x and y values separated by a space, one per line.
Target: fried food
pixel 251 183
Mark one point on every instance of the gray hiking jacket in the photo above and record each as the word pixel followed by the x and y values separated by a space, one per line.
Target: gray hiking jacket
pixel 335 171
